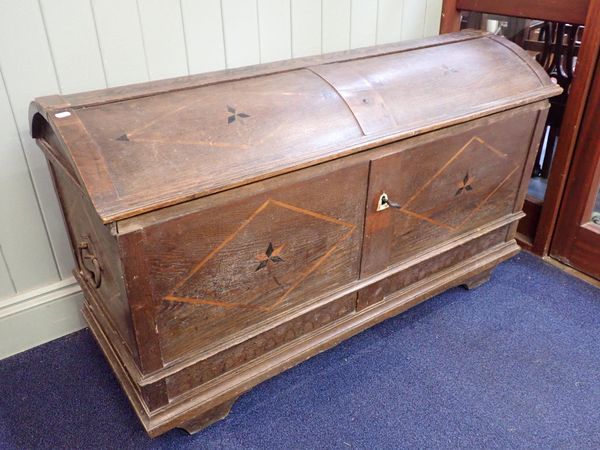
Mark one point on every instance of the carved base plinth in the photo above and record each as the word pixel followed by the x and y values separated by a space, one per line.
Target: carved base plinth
pixel 209 417
pixel 478 280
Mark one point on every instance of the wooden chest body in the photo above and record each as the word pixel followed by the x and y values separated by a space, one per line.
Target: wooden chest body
pixel 231 225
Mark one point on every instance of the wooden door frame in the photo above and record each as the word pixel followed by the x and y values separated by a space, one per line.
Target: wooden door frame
pixel 572 11
pixel 577 241
pixel 586 12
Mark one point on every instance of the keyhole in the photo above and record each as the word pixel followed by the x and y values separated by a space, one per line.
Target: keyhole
pixel 383 202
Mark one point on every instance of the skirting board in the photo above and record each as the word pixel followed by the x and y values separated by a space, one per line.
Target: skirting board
pixel 39 316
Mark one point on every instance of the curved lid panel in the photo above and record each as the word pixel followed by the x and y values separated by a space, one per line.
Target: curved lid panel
pixel 201 139
pixel 409 90
pixel 136 154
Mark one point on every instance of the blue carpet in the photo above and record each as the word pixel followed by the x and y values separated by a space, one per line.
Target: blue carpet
pixel 512 364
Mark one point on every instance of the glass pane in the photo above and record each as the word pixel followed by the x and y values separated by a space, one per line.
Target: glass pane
pixel 555 46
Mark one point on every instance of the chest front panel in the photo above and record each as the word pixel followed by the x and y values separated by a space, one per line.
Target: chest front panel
pixel 445 188
pixel 240 262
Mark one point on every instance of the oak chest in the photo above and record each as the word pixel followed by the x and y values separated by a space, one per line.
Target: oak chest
pixel 228 226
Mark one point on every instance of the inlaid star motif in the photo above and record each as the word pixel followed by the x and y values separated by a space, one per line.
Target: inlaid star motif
pixel 234 115
pixel 465 185
pixel 270 255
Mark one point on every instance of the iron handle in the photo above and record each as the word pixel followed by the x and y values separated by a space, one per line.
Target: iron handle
pixel 85 256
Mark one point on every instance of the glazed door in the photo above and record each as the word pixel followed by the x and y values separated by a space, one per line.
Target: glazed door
pixel 576 241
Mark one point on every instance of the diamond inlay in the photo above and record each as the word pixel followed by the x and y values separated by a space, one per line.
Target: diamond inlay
pixel 438 202
pixel 264 260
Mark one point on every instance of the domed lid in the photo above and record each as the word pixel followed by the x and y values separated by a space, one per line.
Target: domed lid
pixel 147 146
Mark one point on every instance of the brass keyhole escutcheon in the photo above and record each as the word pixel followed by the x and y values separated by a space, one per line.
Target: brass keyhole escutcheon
pixel 385 203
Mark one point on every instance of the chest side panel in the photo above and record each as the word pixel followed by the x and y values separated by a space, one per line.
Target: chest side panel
pixel 243 261
pixel 92 239
pixel 445 188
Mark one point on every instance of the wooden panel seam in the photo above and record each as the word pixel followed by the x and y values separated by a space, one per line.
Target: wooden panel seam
pixel 328 83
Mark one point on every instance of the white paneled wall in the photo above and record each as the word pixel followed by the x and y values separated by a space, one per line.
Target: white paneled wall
pixel 66 46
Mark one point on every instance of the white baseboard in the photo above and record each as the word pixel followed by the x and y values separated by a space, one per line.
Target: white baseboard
pixel 39 316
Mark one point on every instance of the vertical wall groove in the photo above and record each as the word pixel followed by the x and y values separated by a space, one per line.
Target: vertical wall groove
pixel 291 30
pixel 223 34
pixel 424 24
pixel 10 277
pixel 49 46
pixel 322 26
pixel 98 42
pixel 185 45
pixel 377 24
pixel 258 30
pixel 139 18
pixel 350 25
